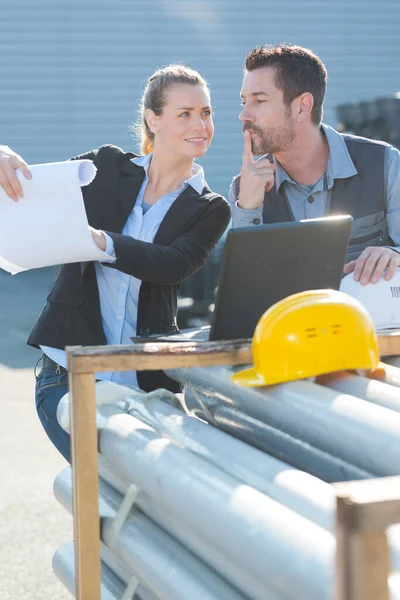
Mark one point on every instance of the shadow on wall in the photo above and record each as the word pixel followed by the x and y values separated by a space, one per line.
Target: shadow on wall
pixel 22 297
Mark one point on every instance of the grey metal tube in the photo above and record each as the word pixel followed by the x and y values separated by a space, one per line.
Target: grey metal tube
pixel 168 569
pixel 336 423
pixel 371 390
pixel 278 443
pixel 264 537
pixel 112 588
pixel 305 494
pixel 392 373
pixel 173 525
pixel 184 533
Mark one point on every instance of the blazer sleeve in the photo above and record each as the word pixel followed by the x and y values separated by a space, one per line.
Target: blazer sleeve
pixel 167 265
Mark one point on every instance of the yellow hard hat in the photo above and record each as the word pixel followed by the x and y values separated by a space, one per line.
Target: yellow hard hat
pixel 309 334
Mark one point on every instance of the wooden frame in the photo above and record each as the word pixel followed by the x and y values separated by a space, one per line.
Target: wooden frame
pixel 83 363
pixel 364 510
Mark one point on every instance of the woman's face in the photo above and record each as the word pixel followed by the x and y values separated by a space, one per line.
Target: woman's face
pixel 185 126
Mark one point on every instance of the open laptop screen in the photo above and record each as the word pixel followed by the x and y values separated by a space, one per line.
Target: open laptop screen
pixel 264 264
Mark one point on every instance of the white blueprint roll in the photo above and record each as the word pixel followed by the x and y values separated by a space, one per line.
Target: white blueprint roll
pixel 48 226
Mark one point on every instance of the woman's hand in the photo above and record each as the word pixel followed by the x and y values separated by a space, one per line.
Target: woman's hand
pixel 99 238
pixel 9 162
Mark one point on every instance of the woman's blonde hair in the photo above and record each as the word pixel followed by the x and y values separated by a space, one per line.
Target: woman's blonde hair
pixel 154 97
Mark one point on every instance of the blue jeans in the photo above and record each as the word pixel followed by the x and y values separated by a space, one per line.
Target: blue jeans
pixel 50 388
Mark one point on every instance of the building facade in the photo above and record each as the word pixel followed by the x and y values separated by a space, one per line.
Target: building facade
pixel 72 72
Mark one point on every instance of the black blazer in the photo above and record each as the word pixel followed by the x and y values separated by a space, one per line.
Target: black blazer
pixel 188 233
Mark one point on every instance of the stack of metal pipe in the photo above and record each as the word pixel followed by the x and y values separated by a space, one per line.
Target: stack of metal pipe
pixel 218 517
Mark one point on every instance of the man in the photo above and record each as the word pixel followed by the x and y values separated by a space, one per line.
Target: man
pixel 315 171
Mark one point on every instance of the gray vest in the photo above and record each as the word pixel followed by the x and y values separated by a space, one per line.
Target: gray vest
pixel 361 196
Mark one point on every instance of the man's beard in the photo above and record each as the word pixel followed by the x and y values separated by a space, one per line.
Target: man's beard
pixel 277 139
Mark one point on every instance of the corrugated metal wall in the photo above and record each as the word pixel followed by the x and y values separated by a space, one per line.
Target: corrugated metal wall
pixel 72 71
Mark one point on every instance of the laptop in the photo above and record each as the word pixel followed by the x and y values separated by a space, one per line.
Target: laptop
pixel 262 265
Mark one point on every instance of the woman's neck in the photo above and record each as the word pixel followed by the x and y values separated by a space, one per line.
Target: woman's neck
pixel 166 173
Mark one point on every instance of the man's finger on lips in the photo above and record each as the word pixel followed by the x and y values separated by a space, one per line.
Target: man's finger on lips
pixel 13 179
pixel 262 165
pixel 263 162
pixel 380 266
pixel 263 173
pixel 393 266
pixel 247 148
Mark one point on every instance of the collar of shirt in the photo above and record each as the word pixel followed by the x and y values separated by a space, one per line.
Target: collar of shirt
pixel 196 181
pixel 340 165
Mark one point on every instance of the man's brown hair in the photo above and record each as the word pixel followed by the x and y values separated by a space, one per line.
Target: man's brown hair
pixel 297 70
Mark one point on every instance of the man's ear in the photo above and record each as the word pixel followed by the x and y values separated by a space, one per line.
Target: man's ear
pixel 305 104
pixel 152 120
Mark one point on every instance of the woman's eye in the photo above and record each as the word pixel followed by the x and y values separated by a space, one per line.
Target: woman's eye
pixel 207 113
pixel 185 114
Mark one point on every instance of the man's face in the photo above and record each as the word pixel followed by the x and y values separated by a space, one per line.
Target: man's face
pixel 265 114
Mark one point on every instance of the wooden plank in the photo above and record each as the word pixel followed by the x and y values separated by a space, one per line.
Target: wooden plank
pixel 375 503
pixel 362 561
pixel 85 485
pixel 161 355
pixel 389 342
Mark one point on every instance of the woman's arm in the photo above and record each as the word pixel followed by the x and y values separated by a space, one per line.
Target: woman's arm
pixel 10 161
pixel 172 264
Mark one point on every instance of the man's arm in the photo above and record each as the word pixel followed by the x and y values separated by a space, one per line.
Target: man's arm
pixel 374 261
pixel 393 195
pixel 242 217
pixel 256 178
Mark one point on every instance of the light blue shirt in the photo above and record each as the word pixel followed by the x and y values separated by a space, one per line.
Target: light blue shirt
pixel 340 166
pixel 119 292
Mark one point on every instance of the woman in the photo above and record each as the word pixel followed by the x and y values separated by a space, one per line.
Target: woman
pixel 156 218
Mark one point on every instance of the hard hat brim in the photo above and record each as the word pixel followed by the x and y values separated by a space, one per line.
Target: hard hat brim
pixel 249 378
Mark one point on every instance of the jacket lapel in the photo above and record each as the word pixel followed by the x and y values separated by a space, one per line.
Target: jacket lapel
pixel 114 217
pixel 132 177
pixel 185 209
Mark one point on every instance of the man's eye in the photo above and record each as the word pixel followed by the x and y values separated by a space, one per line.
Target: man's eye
pixel 207 113
pixel 185 114
pixel 260 101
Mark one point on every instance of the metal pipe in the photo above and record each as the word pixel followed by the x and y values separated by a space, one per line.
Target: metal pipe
pixel 266 538
pixel 277 443
pixel 183 532
pixel 167 568
pixel 390 373
pixel 112 588
pixel 305 494
pixel 377 392
pixel 336 423
pixel 173 525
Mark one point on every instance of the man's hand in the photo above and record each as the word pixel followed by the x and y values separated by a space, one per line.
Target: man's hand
pixel 256 177
pixel 9 161
pixel 99 238
pixel 372 262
